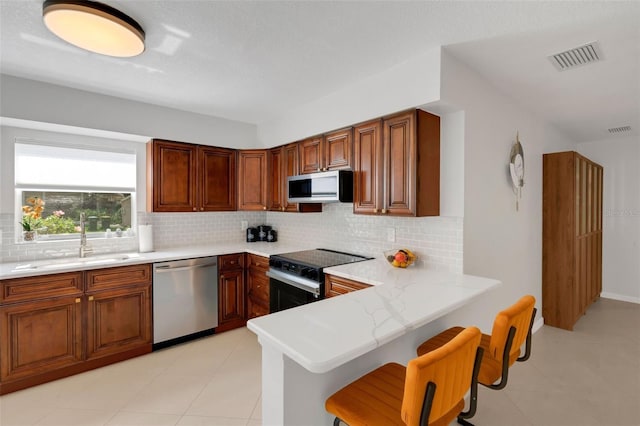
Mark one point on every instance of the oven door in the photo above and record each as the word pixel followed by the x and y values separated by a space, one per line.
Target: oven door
pixel 288 291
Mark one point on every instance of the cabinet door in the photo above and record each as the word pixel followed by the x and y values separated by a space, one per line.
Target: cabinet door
pixel 37 337
pixel 290 162
pixel 252 180
pixel 171 172
pixel 276 178
pixel 118 320
pixel 312 155
pixel 337 149
pixel 336 286
pixel 231 300
pixel 399 194
pixel 368 168
pixel 217 178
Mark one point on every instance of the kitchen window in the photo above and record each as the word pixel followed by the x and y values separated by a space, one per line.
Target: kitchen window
pixel 54 184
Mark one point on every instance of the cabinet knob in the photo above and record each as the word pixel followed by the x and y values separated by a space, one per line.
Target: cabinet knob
pixel 282 208
pixel 194 209
pixel 77 300
pixel 384 211
pixel 376 210
pixel 264 208
pixel 324 169
pixel 222 276
pixel 90 298
pixel 201 209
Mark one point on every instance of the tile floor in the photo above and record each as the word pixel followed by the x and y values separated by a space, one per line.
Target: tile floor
pixel 590 376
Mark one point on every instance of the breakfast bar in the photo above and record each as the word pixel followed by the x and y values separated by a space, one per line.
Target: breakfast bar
pixel 311 351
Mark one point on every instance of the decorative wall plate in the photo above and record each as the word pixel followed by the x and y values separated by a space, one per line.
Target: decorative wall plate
pixel 516 168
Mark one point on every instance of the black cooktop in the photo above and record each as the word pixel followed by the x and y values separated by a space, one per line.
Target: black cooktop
pixel 320 258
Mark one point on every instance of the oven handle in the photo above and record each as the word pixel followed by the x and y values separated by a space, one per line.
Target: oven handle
pixel 299 282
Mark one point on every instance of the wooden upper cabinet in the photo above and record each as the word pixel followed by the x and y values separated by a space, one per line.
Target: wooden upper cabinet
pixel 290 166
pixel 252 180
pixel 368 166
pixel 217 178
pixel 397 165
pixel 329 152
pixel 184 177
pixel 337 149
pixel 312 155
pixel 171 176
pixel 277 193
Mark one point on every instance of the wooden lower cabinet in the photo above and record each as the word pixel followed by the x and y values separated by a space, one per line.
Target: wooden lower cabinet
pixel 118 320
pixel 257 286
pixel 40 336
pixel 231 292
pixel 46 338
pixel 336 286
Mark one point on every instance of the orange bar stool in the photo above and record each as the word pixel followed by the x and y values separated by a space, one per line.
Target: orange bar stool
pixel 511 329
pixel 429 391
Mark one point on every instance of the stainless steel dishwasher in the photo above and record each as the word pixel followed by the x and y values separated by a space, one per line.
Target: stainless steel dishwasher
pixel 185 299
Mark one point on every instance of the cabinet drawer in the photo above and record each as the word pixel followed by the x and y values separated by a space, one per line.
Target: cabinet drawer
pixel 101 279
pixel 335 286
pixel 256 261
pixel 43 286
pixel 231 261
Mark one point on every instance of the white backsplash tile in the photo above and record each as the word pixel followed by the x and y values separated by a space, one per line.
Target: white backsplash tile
pixel 436 240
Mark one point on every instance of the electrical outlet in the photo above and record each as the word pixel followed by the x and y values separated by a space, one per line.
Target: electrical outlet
pixel 244 225
pixel 391 235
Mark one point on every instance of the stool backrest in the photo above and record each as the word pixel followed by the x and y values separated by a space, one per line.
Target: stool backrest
pixel 518 316
pixel 449 368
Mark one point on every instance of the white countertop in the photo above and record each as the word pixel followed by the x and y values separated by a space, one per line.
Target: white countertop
pixel 58 265
pixel 324 335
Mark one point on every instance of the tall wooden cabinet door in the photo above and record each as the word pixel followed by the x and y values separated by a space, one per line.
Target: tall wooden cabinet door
pixel 337 149
pixel 217 178
pixel 231 300
pixel 368 167
pixel 290 162
pixel 312 155
pixel 37 337
pixel 118 320
pixel 276 177
pixel 252 180
pixel 171 170
pixel 399 195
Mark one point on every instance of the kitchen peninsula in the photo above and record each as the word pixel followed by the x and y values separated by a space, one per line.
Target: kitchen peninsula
pixel 311 351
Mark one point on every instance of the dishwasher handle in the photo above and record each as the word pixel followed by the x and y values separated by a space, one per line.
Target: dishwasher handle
pixel 182 268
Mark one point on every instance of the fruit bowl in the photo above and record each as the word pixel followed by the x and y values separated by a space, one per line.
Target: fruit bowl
pixel 400 258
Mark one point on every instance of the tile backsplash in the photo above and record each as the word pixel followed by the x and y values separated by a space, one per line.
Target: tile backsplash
pixel 437 240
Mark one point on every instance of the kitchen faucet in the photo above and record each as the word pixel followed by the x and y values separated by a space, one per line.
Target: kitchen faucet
pixel 83 236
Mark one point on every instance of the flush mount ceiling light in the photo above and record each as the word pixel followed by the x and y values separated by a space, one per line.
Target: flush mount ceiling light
pixel 94 26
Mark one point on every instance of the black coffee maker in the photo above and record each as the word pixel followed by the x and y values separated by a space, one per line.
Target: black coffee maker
pixel 252 235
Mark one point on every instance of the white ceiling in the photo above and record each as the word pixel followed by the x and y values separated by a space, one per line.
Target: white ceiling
pixel 253 61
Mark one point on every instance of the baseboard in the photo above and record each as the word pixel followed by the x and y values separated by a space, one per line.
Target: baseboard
pixel 621 297
pixel 537 324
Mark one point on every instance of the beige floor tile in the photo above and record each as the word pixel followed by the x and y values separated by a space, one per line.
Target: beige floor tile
pixel 257 410
pixel 76 417
pixel 253 422
pixel 167 394
pixel 124 418
pixel 495 408
pixel 210 421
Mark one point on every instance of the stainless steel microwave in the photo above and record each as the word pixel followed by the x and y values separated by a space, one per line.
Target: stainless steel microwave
pixel 323 187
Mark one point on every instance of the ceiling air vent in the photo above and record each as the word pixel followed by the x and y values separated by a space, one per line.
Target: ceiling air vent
pixel 621 129
pixel 576 57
